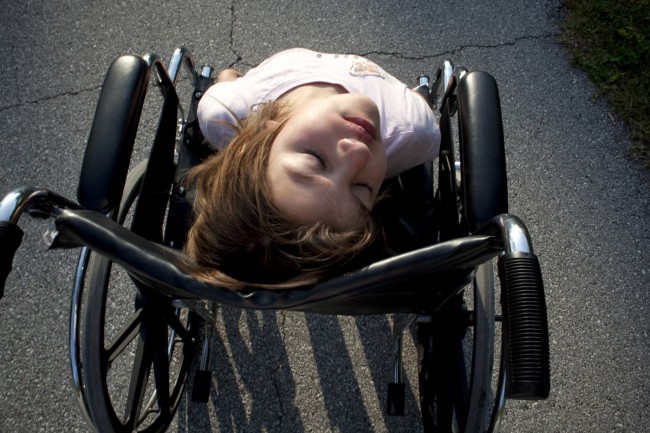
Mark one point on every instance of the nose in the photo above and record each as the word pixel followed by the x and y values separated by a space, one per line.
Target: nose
pixel 354 154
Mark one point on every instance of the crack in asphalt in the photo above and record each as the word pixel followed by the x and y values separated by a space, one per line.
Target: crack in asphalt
pixel 231 35
pixel 50 98
pixel 511 43
pixel 397 55
pixel 239 59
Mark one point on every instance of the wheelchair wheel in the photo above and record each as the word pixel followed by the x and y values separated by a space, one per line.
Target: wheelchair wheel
pixel 457 346
pixel 456 358
pixel 136 346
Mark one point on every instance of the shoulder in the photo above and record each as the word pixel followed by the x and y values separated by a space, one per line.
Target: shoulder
pixel 220 108
pixel 230 94
pixel 413 137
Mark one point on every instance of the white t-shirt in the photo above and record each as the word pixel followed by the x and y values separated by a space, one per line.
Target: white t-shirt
pixel 409 130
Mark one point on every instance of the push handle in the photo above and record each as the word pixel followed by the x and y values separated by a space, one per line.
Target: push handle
pixel 525 332
pixel 10 237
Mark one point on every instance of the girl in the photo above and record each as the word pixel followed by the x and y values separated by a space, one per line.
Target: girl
pixel 304 143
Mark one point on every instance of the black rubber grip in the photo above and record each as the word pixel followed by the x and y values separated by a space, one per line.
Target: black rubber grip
pixel 525 331
pixel 10 237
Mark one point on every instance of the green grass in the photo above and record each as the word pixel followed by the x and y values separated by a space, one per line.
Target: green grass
pixel 610 40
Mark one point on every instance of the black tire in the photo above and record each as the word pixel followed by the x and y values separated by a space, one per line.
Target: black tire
pixel 457 347
pixel 136 347
pixel 456 360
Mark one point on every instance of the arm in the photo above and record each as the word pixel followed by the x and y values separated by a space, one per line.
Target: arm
pixel 228 75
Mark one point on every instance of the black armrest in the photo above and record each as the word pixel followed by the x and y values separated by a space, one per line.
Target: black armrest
pixel 483 160
pixel 112 134
pixel 391 285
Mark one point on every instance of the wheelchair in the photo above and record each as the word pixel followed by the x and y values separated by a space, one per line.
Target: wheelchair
pixel 447 227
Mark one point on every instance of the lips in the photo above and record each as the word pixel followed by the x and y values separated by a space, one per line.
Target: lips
pixel 366 125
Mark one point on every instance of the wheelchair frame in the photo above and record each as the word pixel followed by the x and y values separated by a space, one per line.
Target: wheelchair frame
pixel 462 224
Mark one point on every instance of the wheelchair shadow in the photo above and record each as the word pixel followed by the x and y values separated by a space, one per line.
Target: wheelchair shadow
pixel 294 372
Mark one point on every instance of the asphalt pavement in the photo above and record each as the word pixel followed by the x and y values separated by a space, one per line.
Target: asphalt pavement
pixel 585 204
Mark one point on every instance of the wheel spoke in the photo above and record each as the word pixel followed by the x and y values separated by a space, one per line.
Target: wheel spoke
pixel 174 322
pixel 161 367
pixel 124 337
pixel 454 389
pixel 139 378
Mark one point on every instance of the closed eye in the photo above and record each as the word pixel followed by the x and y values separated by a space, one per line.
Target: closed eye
pixel 365 185
pixel 316 155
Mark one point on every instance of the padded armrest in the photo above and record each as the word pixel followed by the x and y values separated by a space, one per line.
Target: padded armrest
pixel 485 185
pixel 110 143
pixel 390 285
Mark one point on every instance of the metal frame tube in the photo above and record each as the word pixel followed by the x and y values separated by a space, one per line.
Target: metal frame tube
pixel 37 202
pixel 182 56
pixel 512 232
pixel 398 334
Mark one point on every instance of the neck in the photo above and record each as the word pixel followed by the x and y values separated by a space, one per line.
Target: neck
pixel 309 92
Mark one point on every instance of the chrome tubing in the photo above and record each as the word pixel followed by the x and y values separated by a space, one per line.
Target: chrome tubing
pixel 444 83
pixel 155 61
pixel 206 71
pixel 499 399
pixel 447 73
pixel 514 234
pixel 36 202
pixel 74 346
pixel 182 56
pixel 461 72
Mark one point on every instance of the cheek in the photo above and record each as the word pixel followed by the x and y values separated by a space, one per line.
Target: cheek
pixel 305 128
pixel 380 166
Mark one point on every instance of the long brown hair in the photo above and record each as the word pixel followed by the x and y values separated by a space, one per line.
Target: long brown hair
pixel 239 238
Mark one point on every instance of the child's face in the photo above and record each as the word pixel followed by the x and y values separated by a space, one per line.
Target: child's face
pixel 327 163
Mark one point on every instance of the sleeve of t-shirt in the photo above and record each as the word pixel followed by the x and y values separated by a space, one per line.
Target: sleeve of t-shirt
pixel 414 142
pixel 412 148
pixel 219 109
